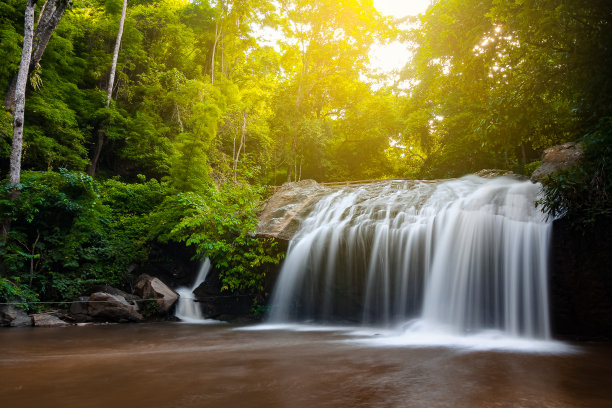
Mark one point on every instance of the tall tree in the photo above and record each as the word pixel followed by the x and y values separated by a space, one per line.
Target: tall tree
pixel 19 92
pixel 109 90
pixel 326 53
pixel 111 77
pixel 50 15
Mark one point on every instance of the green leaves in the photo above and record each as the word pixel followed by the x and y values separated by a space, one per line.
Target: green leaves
pixel 220 223
pixel 69 232
pixel 584 193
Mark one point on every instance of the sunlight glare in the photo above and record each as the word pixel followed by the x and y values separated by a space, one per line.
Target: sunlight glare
pixel 394 56
pixel 401 8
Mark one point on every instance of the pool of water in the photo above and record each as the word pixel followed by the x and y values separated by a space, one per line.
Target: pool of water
pixel 182 365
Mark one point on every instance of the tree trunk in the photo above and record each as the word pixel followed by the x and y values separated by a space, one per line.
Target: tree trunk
pixel 241 145
pixel 218 31
pixel 111 79
pixel 48 20
pixel 42 11
pixel 20 91
pixel 91 170
pixel 301 160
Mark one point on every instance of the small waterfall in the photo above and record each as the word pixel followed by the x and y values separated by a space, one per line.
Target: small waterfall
pixel 187 308
pixel 462 256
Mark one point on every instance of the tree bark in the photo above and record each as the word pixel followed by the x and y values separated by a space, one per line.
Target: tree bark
pixel 20 90
pixel 111 79
pixel 91 170
pixel 49 18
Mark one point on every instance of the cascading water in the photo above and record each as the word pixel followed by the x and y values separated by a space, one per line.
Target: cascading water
pixel 461 257
pixel 187 308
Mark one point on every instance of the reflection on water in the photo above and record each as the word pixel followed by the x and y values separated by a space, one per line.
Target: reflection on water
pixel 175 365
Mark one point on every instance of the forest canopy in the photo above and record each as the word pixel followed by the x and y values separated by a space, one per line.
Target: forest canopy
pixel 204 114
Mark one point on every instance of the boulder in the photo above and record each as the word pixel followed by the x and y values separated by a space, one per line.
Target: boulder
pixel 14 317
pixel 149 287
pixel 282 213
pixel 79 309
pixel 117 292
pixel 48 320
pixel 113 308
pixel 558 158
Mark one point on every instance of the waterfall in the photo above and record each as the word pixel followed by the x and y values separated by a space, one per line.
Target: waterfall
pixel 460 256
pixel 187 309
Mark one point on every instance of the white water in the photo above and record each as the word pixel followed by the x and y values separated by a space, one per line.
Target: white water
pixel 187 309
pixel 462 258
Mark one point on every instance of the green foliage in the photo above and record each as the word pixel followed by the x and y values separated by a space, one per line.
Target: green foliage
pixel 201 109
pixel 11 36
pixel 69 233
pixel 54 226
pixel 496 82
pixel 220 223
pixel 150 309
pixel 13 291
pixel 531 167
pixel 584 193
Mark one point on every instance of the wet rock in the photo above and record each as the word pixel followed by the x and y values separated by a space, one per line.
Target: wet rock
pixel 218 305
pixel 282 213
pixel 490 173
pixel 117 292
pixel 48 320
pixel 79 311
pixel 14 317
pixel 113 308
pixel 558 158
pixel 149 287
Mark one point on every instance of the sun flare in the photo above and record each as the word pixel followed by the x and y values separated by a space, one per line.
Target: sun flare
pixel 394 56
pixel 401 8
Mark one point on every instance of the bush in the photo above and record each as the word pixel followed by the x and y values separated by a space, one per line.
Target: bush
pixel 12 291
pixel 584 193
pixel 220 222
pixel 69 233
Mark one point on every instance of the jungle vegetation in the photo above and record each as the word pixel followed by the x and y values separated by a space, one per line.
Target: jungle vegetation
pixel 175 140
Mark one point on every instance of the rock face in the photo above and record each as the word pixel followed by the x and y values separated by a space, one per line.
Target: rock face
pixel 149 287
pixel 14 317
pixel 581 282
pixel 558 158
pixel 280 217
pixel 48 320
pixel 219 305
pixel 112 308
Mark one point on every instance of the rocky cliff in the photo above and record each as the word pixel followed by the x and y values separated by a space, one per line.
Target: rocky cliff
pixel 283 212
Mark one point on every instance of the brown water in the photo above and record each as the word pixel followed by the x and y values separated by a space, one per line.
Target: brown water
pixel 174 365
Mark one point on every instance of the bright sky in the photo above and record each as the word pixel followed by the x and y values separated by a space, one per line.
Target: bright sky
pixel 394 56
pixel 401 8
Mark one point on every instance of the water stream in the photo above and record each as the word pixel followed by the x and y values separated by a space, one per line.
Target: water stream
pixel 187 309
pixel 461 257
